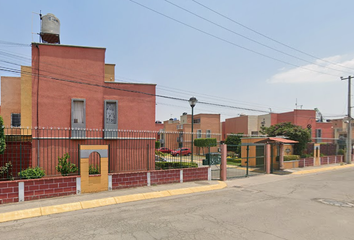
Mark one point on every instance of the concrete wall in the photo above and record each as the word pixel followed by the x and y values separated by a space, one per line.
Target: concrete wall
pixel 10 98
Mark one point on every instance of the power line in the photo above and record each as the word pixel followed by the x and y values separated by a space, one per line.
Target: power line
pixel 227 41
pixel 269 38
pixel 248 38
pixel 126 90
pixel 180 91
pixel 14 44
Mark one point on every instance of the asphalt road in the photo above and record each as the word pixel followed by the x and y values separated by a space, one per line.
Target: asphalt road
pixel 313 206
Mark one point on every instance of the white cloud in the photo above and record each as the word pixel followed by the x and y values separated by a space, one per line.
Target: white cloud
pixel 323 70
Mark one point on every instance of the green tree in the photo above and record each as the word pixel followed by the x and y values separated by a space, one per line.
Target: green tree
pixel 233 143
pixel 2 136
pixel 291 131
pixel 205 142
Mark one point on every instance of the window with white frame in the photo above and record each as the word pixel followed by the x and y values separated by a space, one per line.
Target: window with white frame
pixel 78 118
pixel 208 133
pixel 199 133
pixel 15 119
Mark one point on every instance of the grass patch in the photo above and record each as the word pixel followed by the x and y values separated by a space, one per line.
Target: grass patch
pixel 234 161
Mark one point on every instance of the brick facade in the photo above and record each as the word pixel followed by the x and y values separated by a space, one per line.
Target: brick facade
pixel 127 180
pixel 190 174
pixel 63 186
pixel 8 192
pixel 167 176
pixel 47 188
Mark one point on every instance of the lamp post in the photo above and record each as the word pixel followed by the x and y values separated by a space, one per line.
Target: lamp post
pixel 192 102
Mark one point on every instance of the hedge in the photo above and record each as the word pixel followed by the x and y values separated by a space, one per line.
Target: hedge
pixel 205 142
pixel 290 157
pixel 169 165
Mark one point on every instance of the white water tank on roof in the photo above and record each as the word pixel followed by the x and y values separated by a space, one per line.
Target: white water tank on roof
pixel 50 28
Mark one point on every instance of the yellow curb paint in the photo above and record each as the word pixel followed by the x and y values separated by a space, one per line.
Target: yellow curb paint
pixel 36 212
pixel 323 169
pixel 98 203
pixel 180 191
pixel 17 215
pixel 61 208
pixel 156 194
pixel 129 198
pixel 200 189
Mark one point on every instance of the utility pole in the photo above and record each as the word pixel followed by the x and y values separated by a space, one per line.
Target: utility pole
pixel 349 126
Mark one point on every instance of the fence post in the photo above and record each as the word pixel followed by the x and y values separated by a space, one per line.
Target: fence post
pixel 148 164
pixel 223 166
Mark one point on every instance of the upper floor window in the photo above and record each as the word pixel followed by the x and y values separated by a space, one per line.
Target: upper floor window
pixel 110 118
pixel 78 118
pixel 199 133
pixel 208 133
pixel 15 119
pixel 196 120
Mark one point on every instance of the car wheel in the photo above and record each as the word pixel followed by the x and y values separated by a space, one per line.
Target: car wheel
pixel 188 154
pixel 177 155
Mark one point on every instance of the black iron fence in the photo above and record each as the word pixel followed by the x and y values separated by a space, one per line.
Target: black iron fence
pixel 129 150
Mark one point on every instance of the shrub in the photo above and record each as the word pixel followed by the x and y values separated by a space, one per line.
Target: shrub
pixel 2 136
pixel 290 157
pixel 341 152
pixel 5 171
pixel 94 169
pixel 31 173
pixel 171 165
pixel 161 154
pixel 65 167
pixel 157 144
pixel 237 160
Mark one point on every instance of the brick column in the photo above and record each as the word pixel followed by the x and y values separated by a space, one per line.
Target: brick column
pixel 281 157
pixel 223 166
pixel 267 158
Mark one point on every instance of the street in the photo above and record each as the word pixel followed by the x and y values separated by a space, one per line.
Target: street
pixel 313 206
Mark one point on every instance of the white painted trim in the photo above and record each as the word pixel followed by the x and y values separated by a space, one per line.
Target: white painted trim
pixel 21 191
pixel 78 185
pixel 109 182
pixel 148 179
pixel 181 176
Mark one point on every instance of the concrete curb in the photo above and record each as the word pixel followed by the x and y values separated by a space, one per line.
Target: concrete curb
pixel 323 169
pixel 42 211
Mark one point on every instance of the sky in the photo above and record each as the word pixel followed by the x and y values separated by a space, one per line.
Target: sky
pixel 235 56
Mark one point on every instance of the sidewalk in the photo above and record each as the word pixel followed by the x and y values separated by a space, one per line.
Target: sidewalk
pixel 36 208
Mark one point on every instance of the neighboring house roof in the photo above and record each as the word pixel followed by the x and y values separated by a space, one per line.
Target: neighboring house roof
pixel 274 139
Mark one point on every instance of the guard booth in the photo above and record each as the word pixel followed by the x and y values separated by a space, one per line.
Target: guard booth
pixel 257 156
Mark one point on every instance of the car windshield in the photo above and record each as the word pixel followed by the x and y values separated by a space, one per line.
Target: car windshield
pixel 178 149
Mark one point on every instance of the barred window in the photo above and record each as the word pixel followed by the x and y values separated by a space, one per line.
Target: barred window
pixel 16 119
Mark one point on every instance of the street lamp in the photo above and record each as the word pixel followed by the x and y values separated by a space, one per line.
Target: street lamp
pixel 192 102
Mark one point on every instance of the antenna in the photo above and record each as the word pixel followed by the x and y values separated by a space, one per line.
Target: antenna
pixel 40 15
pixel 296 103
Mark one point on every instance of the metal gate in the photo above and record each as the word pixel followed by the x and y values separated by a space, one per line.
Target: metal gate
pixel 243 160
